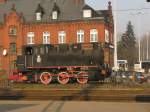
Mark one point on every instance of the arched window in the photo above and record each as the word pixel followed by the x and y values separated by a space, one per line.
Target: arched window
pixel 54 15
pixel 106 36
pixel 12 30
pixel 38 16
pixel 61 37
pixel 30 38
pixel 93 35
pixel 12 48
pixel 46 38
pixel 80 36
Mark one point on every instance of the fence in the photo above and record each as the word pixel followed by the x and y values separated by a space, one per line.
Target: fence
pixel 4 82
pixel 118 79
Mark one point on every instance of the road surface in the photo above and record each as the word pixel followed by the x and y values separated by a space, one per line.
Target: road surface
pixel 72 106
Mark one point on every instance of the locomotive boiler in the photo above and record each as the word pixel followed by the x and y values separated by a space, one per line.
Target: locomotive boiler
pixel 81 62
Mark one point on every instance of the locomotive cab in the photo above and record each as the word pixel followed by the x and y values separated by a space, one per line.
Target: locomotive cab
pixel 29 50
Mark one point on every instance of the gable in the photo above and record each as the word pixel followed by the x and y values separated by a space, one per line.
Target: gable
pixel 69 10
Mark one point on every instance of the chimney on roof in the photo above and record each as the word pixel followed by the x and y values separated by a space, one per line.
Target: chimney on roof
pixel 13 8
pixel 109 6
pixel 2 1
pixel 77 2
pixel 110 12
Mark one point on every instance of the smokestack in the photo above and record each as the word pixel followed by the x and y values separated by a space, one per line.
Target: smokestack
pixel 78 2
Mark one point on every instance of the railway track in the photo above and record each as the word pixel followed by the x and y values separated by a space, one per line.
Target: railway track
pixel 87 93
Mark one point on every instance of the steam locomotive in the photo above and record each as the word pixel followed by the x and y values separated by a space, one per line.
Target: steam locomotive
pixel 64 62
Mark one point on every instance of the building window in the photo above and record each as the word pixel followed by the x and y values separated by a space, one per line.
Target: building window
pixel 107 36
pixel 1 50
pixel 93 35
pixel 87 13
pixel 38 16
pixel 62 37
pixel 54 15
pixel 30 38
pixel 13 65
pixel 12 31
pixel 80 36
pixel 46 38
pixel 12 48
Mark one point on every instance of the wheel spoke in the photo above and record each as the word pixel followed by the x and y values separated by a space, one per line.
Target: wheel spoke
pixel 46 78
pixel 63 78
pixel 82 78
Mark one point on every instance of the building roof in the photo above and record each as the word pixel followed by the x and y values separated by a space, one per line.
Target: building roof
pixel 68 9
pixel 55 7
pixel 40 9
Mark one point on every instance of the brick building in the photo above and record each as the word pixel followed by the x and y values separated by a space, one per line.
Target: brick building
pixel 28 22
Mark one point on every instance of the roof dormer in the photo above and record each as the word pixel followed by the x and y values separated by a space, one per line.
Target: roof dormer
pixel 39 12
pixel 55 11
pixel 87 11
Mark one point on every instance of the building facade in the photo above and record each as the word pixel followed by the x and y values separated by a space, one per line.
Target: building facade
pixel 29 22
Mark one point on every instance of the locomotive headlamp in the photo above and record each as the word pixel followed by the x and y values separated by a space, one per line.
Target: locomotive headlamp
pixel 38 59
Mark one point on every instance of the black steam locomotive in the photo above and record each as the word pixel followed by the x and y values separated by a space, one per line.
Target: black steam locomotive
pixel 81 62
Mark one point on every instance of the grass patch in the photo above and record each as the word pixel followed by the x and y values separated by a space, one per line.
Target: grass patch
pixel 80 87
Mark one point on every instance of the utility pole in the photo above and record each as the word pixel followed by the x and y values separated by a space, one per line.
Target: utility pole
pixel 147 45
pixel 138 28
pixel 115 36
pixel 147 40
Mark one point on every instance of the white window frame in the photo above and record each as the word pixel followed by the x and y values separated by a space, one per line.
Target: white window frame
pixel 30 37
pixel 93 35
pixel 106 36
pixel 80 36
pixel 87 13
pixel 46 37
pixel 38 16
pixel 61 37
pixel 12 31
pixel 54 15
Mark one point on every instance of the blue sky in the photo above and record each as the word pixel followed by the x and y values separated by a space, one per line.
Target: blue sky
pixel 139 18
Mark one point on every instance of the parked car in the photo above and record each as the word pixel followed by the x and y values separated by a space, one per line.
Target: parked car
pixel 148 79
pixel 139 77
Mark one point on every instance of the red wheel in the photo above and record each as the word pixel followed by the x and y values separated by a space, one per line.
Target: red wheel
pixel 46 78
pixel 82 78
pixel 63 78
